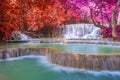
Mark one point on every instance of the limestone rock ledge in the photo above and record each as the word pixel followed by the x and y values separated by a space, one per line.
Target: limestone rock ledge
pixel 80 61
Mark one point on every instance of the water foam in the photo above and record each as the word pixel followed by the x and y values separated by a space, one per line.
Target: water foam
pixel 42 60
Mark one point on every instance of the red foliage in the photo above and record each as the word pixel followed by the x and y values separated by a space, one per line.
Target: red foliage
pixel 107 32
pixel 118 30
pixel 32 14
pixel 9 20
pixel 36 14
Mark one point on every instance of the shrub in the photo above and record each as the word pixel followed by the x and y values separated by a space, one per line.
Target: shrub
pixel 107 32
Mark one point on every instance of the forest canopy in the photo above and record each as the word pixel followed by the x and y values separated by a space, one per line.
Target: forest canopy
pixel 33 15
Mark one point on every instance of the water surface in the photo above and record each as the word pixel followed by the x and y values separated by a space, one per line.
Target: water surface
pixel 37 68
pixel 69 47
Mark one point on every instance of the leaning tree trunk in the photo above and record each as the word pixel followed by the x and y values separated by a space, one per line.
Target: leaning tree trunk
pixel 114 21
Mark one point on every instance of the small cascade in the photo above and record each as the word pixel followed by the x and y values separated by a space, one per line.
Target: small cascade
pixel 7 55
pixel 95 34
pixel 79 61
pixel 17 52
pixel 87 62
pixel 19 36
pixel 24 37
pixel 80 30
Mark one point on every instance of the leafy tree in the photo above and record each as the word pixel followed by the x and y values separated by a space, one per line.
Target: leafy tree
pixel 46 16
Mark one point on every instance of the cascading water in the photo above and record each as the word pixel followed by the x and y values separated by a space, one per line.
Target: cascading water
pixel 80 61
pixel 20 36
pixel 24 37
pixel 37 68
pixel 95 34
pixel 81 31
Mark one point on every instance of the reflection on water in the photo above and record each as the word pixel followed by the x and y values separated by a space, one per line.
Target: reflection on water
pixel 75 48
pixel 37 68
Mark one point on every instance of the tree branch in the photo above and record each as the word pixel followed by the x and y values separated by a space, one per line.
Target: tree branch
pixel 95 22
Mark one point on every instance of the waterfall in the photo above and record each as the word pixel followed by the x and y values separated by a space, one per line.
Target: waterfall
pixel 23 37
pixel 87 62
pixel 20 36
pixel 80 30
pixel 17 52
pixel 95 34
pixel 79 61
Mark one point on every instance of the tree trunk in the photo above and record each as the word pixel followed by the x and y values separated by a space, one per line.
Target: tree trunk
pixel 101 12
pixel 114 34
pixel 114 21
pixel 118 23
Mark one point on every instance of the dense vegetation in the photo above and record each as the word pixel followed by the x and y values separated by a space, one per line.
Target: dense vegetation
pixel 48 15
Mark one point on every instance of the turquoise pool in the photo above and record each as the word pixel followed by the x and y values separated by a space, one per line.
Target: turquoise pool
pixel 37 68
pixel 70 47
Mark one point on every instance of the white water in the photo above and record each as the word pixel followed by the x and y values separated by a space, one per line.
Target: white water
pixel 81 31
pixel 37 68
pixel 24 37
pixel 43 60
pixel 95 34
pixel 20 36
